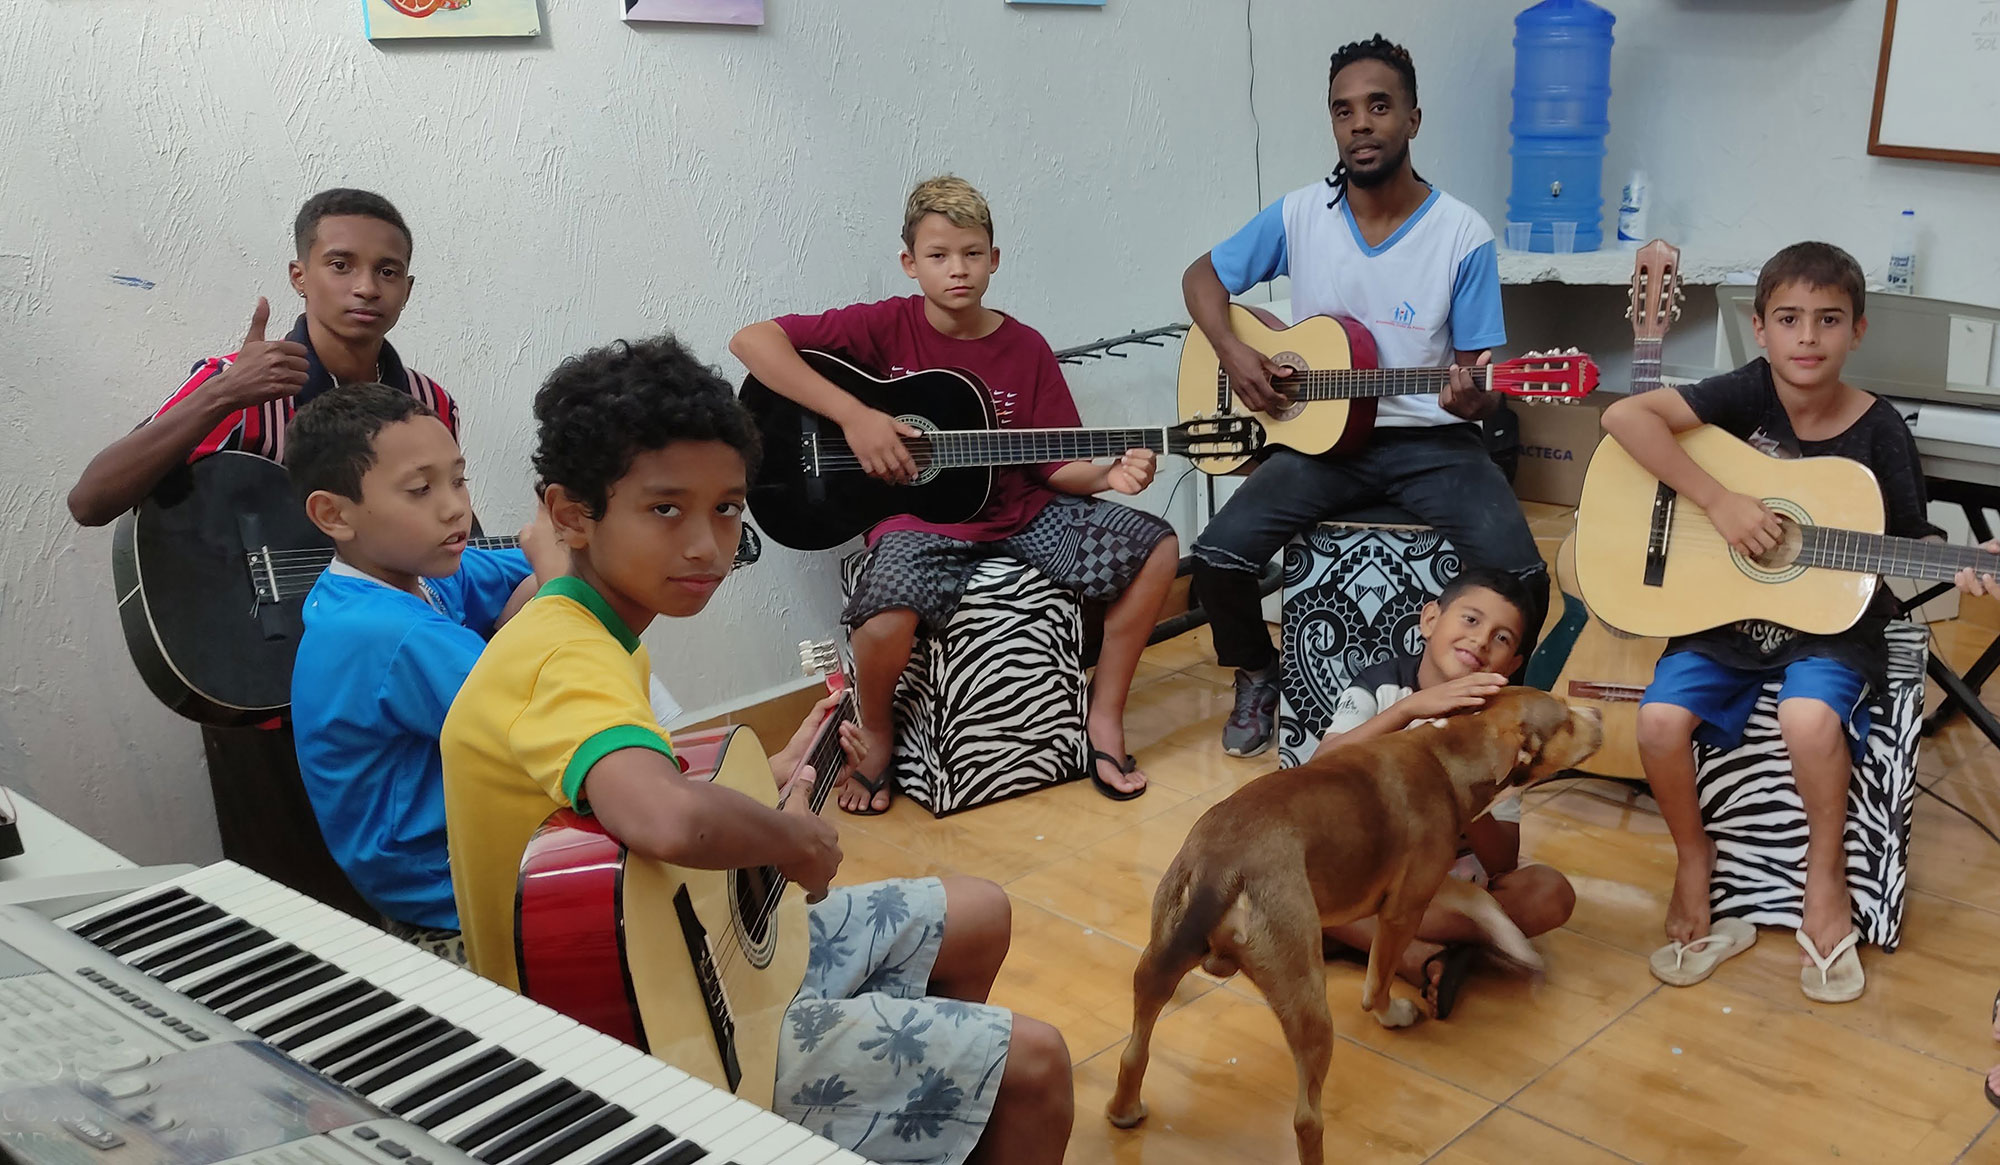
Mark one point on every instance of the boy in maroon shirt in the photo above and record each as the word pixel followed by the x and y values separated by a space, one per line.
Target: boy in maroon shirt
pixel 1043 514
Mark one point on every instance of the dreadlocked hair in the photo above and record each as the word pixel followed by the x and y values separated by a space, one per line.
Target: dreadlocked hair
pixel 1375 48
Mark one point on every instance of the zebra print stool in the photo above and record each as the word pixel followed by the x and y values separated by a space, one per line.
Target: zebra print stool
pixel 1752 809
pixel 993 707
pixel 1355 589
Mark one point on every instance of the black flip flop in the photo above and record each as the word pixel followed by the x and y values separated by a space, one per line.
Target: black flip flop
pixel 1106 787
pixel 875 787
pixel 1457 962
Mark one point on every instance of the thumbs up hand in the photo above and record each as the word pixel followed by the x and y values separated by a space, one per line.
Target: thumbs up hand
pixel 264 369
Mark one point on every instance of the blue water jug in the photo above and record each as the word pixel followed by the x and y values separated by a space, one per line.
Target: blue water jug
pixel 1562 97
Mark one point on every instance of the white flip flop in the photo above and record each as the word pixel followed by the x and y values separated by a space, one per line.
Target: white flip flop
pixel 1836 977
pixel 1685 964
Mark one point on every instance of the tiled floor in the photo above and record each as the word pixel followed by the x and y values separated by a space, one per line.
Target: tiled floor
pixel 1593 1063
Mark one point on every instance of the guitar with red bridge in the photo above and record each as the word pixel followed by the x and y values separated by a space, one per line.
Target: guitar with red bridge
pixel 693 966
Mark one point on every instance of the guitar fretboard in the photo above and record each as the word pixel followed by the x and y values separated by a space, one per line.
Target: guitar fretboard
pixel 962 448
pixel 1356 383
pixel 1646 364
pixel 1836 549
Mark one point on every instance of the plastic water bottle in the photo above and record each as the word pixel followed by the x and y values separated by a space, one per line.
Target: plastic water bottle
pixel 1562 98
pixel 1632 212
pixel 1902 278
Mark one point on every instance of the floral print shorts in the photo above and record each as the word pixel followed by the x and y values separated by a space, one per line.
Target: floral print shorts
pixel 867 1060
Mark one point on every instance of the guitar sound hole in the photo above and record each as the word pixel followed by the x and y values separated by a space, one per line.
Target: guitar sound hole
pixel 756 902
pixel 1786 552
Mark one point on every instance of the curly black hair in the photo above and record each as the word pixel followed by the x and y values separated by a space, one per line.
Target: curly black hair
pixel 1375 48
pixel 330 444
pixel 598 411
pixel 340 202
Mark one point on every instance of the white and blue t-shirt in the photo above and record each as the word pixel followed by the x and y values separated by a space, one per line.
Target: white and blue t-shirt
pixel 1431 288
pixel 376 672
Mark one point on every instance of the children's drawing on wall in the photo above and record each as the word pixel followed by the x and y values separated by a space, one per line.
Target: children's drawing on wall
pixel 695 11
pixel 406 19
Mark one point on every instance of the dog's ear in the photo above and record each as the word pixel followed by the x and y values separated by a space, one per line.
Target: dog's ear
pixel 1540 717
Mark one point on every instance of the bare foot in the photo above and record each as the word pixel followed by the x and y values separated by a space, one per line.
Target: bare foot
pixel 1993 1080
pixel 1996 1019
pixel 851 794
pixel 1828 913
pixel 1687 910
pixel 1108 737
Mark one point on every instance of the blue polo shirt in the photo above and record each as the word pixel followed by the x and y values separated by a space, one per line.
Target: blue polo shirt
pixel 377 670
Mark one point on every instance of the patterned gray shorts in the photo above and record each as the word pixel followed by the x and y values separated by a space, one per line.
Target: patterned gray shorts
pixel 867 1060
pixel 1089 546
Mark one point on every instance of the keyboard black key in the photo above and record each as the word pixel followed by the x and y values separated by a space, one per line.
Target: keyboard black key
pixel 177 951
pixel 391 1051
pixel 685 1153
pixel 312 1009
pixel 491 1060
pixel 576 1137
pixel 562 1117
pixel 200 960
pixel 416 1061
pixel 347 1016
pixel 234 976
pixel 467 1099
pixel 388 1029
pixel 394 1149
pixel 264 1000
pixel 161 927
pixel 132 910
pixel 518 1113
pixel 296 964
pixel 637 1149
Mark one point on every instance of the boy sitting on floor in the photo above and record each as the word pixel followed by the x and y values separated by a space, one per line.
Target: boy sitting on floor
pixel 1472 643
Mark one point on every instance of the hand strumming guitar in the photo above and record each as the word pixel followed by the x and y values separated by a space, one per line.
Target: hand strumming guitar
pixel 1747 524
pixel 1251 376
pixel 815 842
pixel 877 441
pixel 263 370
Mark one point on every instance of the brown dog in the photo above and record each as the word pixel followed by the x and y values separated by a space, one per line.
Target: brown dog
pixel 1370 829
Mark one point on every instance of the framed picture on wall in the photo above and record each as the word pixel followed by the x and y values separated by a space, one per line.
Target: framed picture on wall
pixel 411 19
pixel 1937 86
pixel 694 11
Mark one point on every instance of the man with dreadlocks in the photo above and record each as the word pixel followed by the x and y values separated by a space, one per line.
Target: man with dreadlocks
pixel 1376 243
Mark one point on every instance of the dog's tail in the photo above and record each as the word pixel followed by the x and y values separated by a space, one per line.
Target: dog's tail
pixel 1186 910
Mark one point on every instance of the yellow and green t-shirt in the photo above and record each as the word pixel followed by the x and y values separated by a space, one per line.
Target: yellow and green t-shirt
pixel 562 685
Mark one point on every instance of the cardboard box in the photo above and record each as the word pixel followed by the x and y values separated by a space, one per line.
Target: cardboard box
pixel 1556 443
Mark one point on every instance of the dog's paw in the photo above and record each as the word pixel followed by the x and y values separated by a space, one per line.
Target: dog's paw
pixel 1399 1013
pixel 1126 1120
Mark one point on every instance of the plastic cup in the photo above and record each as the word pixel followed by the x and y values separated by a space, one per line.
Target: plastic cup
pixel 1518 234
pixel 1565 233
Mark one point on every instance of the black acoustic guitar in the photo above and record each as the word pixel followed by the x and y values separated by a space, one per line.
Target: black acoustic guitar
pixel 810 492
pixel 212 573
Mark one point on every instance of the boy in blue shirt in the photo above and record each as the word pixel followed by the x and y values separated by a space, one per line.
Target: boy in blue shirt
pixel 392 628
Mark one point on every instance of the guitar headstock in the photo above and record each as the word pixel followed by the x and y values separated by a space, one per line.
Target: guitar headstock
pixel 1224 435
pixel 823 657
pixel 1656 290
pixel 1569 375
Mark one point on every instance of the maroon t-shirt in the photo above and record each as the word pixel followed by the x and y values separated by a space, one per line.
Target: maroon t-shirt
pixel 892 338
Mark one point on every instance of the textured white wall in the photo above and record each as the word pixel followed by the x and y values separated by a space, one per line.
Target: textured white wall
pixel 606 181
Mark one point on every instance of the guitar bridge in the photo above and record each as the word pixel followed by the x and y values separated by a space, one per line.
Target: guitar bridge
pixel 263 575
pixel 1658 534
pixel 713 1000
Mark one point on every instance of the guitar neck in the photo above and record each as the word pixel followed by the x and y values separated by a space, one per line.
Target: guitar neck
pixel 1646 364
pixel 825 754
pixel 964 448
pixel 1836 549
pixel 1363 383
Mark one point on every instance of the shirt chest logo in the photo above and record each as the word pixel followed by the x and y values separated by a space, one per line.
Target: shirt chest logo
pixel 1405 317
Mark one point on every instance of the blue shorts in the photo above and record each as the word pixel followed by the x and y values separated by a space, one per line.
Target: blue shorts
pixel 1723 697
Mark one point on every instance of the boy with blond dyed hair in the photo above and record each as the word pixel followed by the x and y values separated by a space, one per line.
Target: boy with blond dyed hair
pixel 1045 515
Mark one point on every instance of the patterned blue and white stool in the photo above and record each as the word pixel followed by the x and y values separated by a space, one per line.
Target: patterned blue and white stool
pixel 1354 592
pixel 1752 809
pixel 994 706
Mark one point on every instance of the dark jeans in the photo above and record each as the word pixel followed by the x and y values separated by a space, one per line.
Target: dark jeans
pixel 1442 475
pixel 265 818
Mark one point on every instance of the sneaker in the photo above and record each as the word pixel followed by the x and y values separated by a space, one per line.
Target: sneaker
pixel 1256 715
